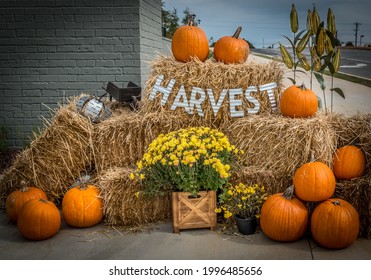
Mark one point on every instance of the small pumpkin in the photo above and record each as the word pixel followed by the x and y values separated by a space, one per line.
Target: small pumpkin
pixel 82 206
pixel 18 198
pixel 231 49
pixel 284 217
pixel 335 224
pixel 188 42
pixel 39 219
pixel 314 181
pixel 298 102
pixel 349 162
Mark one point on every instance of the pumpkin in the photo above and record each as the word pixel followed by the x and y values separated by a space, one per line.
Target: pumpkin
pixel 39 219
pixel 314 181
pixel 298 102
pixel 188 42
pixel 231 49
pixel 335 224
pixel 82 206
pixel 17 198
pixel 284 217
pixel 349 162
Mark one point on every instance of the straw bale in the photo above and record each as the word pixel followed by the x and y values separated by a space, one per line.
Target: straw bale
pixel 122 140
pixel 272 181
pixel 122 207
pixel 211 75
pixel 281 144
pixel 55 157
pixel 353 130
pixel 358 193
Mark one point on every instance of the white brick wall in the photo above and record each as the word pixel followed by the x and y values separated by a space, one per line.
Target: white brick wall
pixel 56 48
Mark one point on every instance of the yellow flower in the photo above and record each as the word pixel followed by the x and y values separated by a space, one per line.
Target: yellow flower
pixel 218 210
pixel 136 194
pixel 132 176
pixel 142 176
pixel 227 214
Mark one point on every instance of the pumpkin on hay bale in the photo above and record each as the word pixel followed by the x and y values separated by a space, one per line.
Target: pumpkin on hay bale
pixel 122 204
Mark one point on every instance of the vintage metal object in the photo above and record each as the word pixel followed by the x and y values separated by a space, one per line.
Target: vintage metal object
pixel 129 95
pixel 93 108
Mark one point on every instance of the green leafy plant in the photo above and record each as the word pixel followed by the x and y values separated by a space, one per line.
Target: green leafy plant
pixel 242 200
pixel 324 53
pixel 190 160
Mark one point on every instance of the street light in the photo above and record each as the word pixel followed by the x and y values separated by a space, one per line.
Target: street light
pixel 360 40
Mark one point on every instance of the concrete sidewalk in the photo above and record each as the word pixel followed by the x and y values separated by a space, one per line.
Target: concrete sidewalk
pixel 158 242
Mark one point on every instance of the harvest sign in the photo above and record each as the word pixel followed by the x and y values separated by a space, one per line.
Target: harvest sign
pixel 198 97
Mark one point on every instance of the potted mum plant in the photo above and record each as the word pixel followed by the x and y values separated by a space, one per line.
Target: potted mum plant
pixel 193 164
pixel 243 202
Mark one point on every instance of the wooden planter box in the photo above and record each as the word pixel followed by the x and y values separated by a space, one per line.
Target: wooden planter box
pixel 193 212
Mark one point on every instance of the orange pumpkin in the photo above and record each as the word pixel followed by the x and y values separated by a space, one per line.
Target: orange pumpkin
pixel 314 181
pixel 16 199
pixel 231 49
pixel 335 224
pixel 39 219
pixel 284 217
pixel 298 102
pixel 349 162
pixel 188 42
pixel 82 206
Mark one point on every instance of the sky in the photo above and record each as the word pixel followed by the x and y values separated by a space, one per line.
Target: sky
pixel 264 22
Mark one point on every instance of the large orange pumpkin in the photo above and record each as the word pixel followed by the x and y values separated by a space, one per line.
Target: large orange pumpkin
pixel 349 162
pixel 335 224
pixel 298 102
pixel 17 198
pixel 284 217
pixel 82 206
pixel 314 181
pixel 188 42
pixel 231 49
pixel 39 219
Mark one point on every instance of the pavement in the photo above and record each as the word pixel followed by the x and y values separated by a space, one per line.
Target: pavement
pixel 158 242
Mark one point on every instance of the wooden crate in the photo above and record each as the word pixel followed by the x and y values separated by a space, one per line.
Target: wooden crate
pixel 193 212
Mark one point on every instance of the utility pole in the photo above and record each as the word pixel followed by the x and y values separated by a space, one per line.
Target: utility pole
pixel 357 24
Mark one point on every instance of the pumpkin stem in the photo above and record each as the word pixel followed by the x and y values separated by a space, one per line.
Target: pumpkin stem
pixel 191 20
pixel 312 157
pixel 289 192
pixel 43 200
pixel 302 87
pixel 336 202
pixel 24 186
pixel 237 33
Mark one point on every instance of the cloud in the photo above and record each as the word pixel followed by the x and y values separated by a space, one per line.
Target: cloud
pixel 268 20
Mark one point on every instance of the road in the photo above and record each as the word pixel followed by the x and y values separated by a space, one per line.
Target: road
pixel 354 62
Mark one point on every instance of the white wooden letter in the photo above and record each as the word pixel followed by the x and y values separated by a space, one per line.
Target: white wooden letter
pixel 214 105
pixel 181 100
pixel 251 99
pixel 165 90
pixel 235 102
pixel 197 102
pixel 269 88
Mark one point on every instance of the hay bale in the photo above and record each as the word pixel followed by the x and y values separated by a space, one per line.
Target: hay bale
pixel 55 157
pixel 353 130
pixel 280 144
pixel 211 75
pixel 122 207
pixel 272 181
pixel 122 140
pixel 358 193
